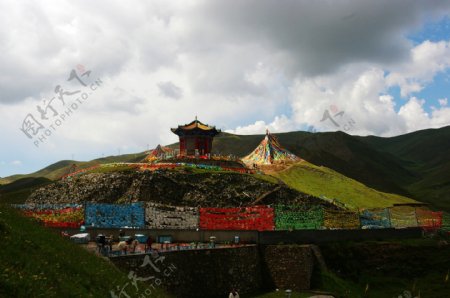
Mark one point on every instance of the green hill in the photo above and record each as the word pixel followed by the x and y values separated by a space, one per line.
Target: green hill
pixel 16 188
pixel 415 165
pixel 60 168
pixel 16 191
pixel 36 262
pixel 426 154
pixel 321 181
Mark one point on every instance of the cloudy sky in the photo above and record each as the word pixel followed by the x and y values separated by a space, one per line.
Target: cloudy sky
pixel 85 79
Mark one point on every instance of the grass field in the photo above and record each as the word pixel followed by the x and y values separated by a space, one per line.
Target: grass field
pixel 321 181
pixel 35 262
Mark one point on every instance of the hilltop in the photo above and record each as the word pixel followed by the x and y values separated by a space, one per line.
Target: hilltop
pixel 301 184
pixel 181 187
pixel 415 165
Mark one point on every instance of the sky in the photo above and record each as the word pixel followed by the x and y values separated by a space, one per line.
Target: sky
pixel 83 79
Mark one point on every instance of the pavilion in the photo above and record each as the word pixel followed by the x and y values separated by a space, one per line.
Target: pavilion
pixel 195 138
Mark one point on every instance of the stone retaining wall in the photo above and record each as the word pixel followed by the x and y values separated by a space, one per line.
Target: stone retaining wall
pixel 287 266
pixel 201 273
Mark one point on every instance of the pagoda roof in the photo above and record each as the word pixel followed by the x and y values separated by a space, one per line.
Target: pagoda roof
pixel 195 125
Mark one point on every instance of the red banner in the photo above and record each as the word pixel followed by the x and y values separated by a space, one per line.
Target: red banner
pixel 428 218
pixel 260 218
pixel 62 218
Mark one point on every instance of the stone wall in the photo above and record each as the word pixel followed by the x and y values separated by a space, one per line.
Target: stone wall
pixel 201 273
pixel 287 266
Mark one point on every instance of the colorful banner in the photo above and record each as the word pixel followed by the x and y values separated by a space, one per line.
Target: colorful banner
pixel 115 215
pixel 428 218
pixel 259 218
pixel 339 219
pixel 290 217
pixel 63 216
pixel 159 216
pixel 403 217
pixel 160 166
pixel 375 218
pixel 80 172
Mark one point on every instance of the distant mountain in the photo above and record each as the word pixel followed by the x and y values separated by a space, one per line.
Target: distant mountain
pixel 426 154
pixel 415 165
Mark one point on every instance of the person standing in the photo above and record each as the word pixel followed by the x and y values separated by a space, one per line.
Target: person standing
pixel 148 244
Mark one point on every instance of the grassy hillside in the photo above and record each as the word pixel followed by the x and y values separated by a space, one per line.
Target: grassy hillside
pixel 425 153
pixel 336 150
pixel 321 181
pixel 60 168
pixel 16 188
pixel 16 191
pixel 35 262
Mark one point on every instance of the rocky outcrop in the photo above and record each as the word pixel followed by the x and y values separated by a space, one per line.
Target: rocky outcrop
pixel 171 188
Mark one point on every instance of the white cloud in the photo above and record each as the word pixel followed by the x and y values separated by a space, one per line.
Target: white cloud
pixel 413 114
pixel 416 117
pixel 358 91
pixel 163 63
pixel 361 91
pixel 427 59
pixel 279 124
pixel 443 102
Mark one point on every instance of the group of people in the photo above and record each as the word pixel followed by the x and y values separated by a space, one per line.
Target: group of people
pixel 104 244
